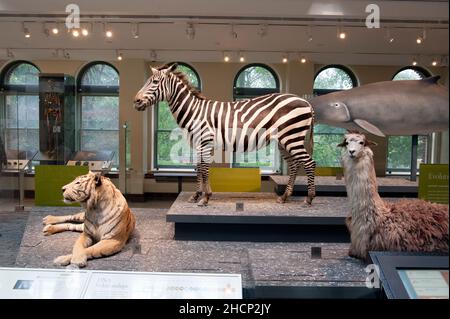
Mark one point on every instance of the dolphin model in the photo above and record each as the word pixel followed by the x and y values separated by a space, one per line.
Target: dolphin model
pixel 405 107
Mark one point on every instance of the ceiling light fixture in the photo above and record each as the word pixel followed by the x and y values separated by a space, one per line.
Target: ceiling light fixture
pixel 153 56
pixel 434 62
pixel 9 54
pixel 66 54
pixel 46 29
pixel 26 31
pixel 135 30
pixel 421 38
pixel 341 34
pixel 190 31
pixel 75 33
pixel 233 33
pixel 389 37
pixel 241 57
pixel 107 30
pixel 119 55
pixel 85 31
pixel 226 57
pixel 263 30
pixel 285 58
pixel 55 29
pixel 414 62
pixel 309 33
pixel 302 59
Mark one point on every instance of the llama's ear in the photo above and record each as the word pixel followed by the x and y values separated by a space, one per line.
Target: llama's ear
pixel 370 143
pixel 343 143
pixel 98 179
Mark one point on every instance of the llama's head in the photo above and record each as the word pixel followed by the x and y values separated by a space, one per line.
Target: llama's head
pixel 155 89
pixel 355 144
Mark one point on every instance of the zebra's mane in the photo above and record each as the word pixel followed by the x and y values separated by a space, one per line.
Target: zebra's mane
pixel 183 78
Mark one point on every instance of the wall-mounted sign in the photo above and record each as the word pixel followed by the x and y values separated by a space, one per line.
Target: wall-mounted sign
pixel 27 283
pixel 433 183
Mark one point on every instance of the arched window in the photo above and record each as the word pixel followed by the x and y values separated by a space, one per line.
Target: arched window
pixel 251 81
pixel 400 147
pixel 20 111
pixel 330 78
pixel 255 80
pixel 98 88
pixel 170 149
pixel 411 73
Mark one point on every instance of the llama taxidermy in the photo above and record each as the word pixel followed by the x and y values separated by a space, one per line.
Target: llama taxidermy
pixel 106 224
pixel 376 225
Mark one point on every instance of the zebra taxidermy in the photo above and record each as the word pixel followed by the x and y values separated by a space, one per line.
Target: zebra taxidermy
pixel 282 117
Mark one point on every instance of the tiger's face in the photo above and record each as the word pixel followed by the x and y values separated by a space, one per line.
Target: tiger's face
pixel 81 188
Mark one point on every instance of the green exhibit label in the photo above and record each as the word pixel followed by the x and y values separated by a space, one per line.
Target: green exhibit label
pixel 433 183
pixel 48 182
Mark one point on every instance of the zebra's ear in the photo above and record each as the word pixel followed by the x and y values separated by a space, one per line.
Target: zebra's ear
pixel 171 68
pixel 154 71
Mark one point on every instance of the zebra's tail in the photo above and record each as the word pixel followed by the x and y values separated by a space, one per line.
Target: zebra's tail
pixel 311 133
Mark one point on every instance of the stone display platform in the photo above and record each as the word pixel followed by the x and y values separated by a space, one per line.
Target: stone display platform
pixel 262 218
pixel 330 186
pixel 269 270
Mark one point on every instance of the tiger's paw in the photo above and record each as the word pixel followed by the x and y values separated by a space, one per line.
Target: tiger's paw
pixel 49 230
pixel 80 261
pixel 62 260
pixel 50 219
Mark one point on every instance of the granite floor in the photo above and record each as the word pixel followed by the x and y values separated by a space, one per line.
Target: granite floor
pixel 152 248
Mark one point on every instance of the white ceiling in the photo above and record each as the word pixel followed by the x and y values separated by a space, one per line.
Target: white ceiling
pixel 162 27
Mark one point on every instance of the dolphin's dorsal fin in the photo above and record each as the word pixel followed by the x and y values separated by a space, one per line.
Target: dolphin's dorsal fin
pixel 432 79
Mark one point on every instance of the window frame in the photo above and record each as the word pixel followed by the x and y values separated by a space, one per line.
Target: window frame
pixel 401 171
pixel 318 92
pixel 157 131
pixel 249 93
pixel 15 90
pixel 245 93
pixel 424 72
pixel 100 91
pixel 347 70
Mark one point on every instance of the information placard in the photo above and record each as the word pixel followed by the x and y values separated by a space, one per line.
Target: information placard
pixel 433 183
pixel 27 283
pixel 425 284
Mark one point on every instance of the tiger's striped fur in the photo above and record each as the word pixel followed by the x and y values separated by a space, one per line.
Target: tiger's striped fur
pixel 238 126
pixel 107 221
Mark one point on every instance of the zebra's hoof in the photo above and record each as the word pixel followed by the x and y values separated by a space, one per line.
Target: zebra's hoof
pixel 193 199
pixel 308 201
pixel 281 200
pixel 202 203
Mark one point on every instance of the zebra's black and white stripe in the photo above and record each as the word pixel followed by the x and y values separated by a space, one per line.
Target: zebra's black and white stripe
pixel 241 126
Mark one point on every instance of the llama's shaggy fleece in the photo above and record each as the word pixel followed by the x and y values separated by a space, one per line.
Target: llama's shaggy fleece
pixel 374 224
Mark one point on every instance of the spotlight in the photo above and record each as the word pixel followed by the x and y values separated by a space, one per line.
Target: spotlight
pixel 75 33
pixel 107 30
pixel 9 54
pixel 434 63
pixel 135 30
pixel 153 56
pixel 119 56
pixel 26 31
pixel 309 34
pixel 285 59
pixel 241 58
pixel 190 31
pixel 233 33
pixel 226 57
pixel 389 36
pixel 85 31
pixel 263 30
pixel 414 62
pixel 303 59
pixel 419 40
pixel 66 54
pixel 55 30
pixel 341 33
